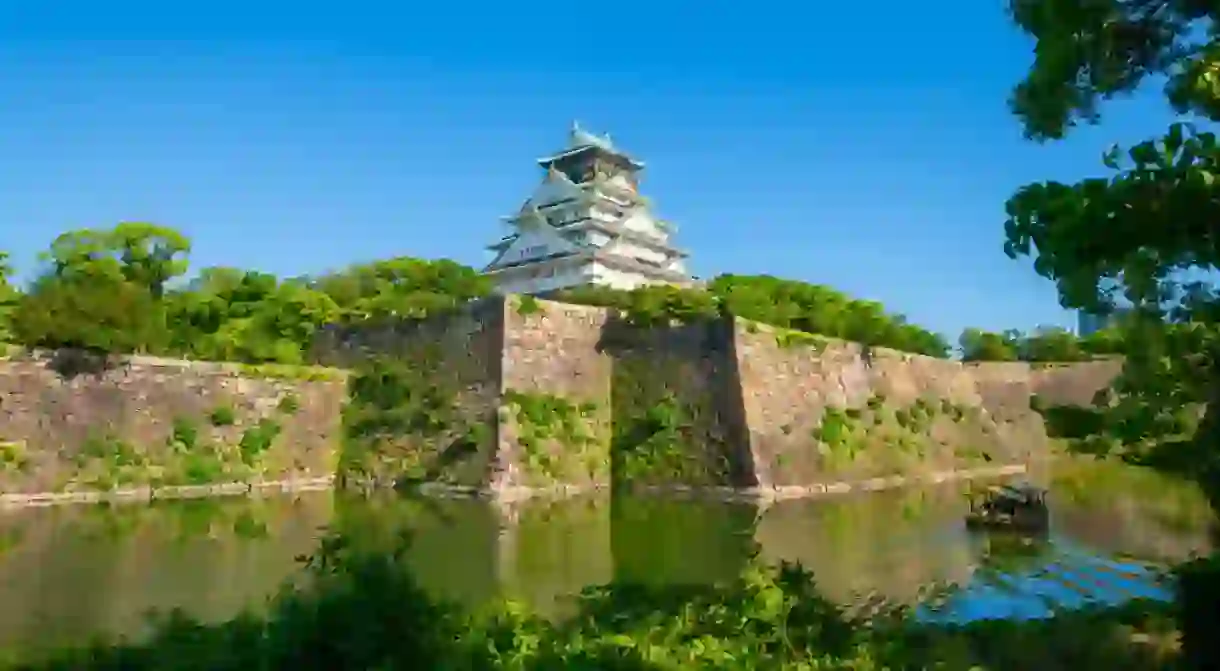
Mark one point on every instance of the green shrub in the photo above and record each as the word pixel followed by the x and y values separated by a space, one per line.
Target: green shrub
pixel 223 415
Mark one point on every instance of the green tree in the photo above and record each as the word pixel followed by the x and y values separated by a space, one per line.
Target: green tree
pixel 1050 344
pixel 229 314
pixel 402 287
pixel 1154 216
pixel 100 314
pixel 979 345
pixel 9 296
pixel 1088 51
pixel 145 254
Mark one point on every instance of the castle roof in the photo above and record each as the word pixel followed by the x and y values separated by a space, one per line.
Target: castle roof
pixel 581 141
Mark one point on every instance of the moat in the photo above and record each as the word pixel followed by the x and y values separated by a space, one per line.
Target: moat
pixel 69 572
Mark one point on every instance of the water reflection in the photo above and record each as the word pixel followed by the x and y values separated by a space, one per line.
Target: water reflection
pixel 67 573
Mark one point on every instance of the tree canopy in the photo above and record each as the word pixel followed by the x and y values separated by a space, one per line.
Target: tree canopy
pixel 1147 228
pixel 125 289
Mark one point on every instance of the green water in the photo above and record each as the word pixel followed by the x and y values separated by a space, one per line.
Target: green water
pixel 70 572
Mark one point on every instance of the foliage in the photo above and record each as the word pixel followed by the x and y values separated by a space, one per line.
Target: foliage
pixel 102 314
pixel 1198 592
pixel 362 609
pixel 1044 345
pixel 787 304
pixel 100 276
pixel 1087 51
pixel 9 296
pixel 145 255
pixel 658 305
pixel 555 433
pixel 1147 228
pixel 401 287
pixel 401 425
pixel 116 291
pixel 654 445
pixel 821 310
pixel 1143 232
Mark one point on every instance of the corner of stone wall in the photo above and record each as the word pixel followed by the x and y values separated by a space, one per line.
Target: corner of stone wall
pixel 744 340
pixel 553 419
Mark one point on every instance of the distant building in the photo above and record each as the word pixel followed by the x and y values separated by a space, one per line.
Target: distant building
pixel 1088 323
pixel 586 224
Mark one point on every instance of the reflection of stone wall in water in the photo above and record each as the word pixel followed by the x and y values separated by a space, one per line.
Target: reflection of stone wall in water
pixel 471 550
pixel 894 543
pixel 67 573
pixel 1131 511
pixel 666 541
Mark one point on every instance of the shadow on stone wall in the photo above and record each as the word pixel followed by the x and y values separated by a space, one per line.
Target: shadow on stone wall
pixel 676 399
pixel 424 398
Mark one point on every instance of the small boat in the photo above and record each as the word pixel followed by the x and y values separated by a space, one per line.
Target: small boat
pixel 1012 507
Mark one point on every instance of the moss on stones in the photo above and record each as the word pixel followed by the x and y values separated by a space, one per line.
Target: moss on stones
pixel 666 431
pixel 558 438
pixel 789 339
pixel 273 371
pixel 526 305
pixel 883 434
pixel 403 425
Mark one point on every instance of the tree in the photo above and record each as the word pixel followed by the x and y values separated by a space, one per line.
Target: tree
pixel 402 287
pixel 229 314
pixel 9 295
pixel 1050 344
pixel 1089 51
pixel 98 314
pixel 145 254
pixel 979 345
pixel 1155 215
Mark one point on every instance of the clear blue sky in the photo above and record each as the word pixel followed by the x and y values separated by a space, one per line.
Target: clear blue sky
pixel 865 145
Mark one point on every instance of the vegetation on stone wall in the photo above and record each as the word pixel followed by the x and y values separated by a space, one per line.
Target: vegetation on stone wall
pixel 225 446
pixel 888 436
pixel 123 290
pixel 402 425
pixel 665 430
pixel 561 441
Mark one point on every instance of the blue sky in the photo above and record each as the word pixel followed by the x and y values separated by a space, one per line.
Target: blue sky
pixel 866 146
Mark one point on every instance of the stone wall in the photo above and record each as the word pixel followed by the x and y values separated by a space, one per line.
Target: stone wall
pixel 75 424
pixel 513 395
pixel 1076 384
pixel 822 411
pixel 554 421
pixel 428 411
pixel 677 406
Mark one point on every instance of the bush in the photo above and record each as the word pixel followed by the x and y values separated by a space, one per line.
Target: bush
pixel 784 303
pixel 96 314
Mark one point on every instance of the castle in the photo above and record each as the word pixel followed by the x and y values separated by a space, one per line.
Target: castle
pixel 586 224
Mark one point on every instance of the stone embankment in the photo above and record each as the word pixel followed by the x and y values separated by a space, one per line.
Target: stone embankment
pixel 519 397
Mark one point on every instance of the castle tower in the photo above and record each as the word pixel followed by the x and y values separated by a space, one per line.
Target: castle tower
pixel 586 224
